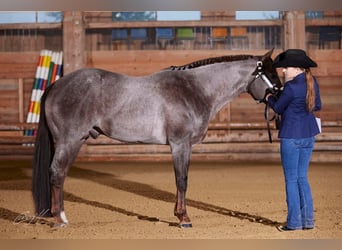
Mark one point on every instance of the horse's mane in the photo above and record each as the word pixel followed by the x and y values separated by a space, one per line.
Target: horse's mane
pixel 211 60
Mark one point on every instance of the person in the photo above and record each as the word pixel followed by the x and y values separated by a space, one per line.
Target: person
pixel 298 127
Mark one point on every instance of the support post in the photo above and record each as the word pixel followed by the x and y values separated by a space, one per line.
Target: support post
pixel 73 41
pixel 294 29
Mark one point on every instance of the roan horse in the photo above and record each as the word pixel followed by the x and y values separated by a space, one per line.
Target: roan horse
pixel 172 106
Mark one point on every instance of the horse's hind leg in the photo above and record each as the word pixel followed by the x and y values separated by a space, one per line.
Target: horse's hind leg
pixel 181 160
pixel 63 158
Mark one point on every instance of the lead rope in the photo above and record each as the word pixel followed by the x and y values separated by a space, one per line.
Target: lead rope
pixel 268 120
pixel 273 90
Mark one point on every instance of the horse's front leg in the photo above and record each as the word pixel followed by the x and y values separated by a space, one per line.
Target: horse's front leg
pixel 181 160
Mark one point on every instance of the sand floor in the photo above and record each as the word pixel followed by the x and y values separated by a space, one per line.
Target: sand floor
pixel 135 200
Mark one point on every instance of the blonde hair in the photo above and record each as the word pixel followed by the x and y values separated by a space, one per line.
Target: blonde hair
pixel 310 92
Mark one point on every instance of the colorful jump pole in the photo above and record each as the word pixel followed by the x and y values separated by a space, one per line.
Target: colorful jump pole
pixel 46 74
pixel 35 90
pixel 59 66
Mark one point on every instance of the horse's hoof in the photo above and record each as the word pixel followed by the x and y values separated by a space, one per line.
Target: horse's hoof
pixel 185 225
pixel 59 225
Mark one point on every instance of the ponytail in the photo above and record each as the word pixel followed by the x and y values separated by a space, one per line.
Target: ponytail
pixel 310 92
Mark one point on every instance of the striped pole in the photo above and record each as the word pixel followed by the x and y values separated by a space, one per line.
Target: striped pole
pixel 48 71
pixel 42 85
pixel 60 65
pixel 54 66
pixel 34 91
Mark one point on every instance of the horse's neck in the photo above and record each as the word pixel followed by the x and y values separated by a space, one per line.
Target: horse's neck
pixel 223 82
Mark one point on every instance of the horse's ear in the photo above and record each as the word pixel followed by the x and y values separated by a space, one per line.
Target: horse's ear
pixel 267 55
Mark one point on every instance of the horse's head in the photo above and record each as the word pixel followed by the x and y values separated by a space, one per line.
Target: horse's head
pixel 265 78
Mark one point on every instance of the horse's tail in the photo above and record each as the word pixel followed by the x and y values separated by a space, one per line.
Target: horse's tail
pixel 44 152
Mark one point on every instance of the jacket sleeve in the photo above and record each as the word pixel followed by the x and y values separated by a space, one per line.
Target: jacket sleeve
pixel 284 100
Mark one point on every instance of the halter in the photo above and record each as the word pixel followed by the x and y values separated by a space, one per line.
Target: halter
pixel 259 73
pixel 273 89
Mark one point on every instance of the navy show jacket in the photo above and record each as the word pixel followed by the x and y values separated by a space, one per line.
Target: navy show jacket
pixel 296 121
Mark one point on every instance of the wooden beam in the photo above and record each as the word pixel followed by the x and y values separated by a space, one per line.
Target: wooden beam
pixel 21 99
pixel 324 22
pixel 17 126
pixel 294 30
pixel 73 41
pixel 38 26
pixel 151 24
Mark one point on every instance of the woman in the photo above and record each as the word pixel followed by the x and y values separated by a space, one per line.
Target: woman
pixel 298 128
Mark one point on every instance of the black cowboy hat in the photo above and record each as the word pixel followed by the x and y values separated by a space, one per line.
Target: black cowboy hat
pixel 293 58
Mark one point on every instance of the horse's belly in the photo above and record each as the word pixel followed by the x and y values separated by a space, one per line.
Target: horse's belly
pixel 138 133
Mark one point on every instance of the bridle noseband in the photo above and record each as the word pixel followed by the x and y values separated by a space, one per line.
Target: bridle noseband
pixel 273 89
pixel 259 73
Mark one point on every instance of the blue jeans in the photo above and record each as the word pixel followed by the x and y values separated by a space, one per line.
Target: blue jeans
pixel 295 157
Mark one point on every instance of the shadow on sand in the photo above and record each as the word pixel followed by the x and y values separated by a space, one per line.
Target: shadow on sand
pixel 23 182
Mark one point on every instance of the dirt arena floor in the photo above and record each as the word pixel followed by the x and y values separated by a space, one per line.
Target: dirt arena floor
pixel 120 200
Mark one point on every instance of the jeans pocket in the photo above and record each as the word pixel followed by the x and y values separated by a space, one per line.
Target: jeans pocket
pixel 308 142
pixel 301 143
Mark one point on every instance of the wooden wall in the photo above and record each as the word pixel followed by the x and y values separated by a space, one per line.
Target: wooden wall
pixel 237 132
pixel 18 69
pixel 30 38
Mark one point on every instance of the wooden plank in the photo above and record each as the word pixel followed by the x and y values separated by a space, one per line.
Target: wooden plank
pixel 213 136
pixel 40 26
pixel 221 152
pixel 12 71
pixel 151 24
pixel 8 104
pixel 26 57
pixel 12 140
pixel 97 16
pixel 324 21
pixel 217 15
pixel 14 65
pixel 242 157
pixel 14 150
pixel 21 99
pixel 205 148
pixel 17 126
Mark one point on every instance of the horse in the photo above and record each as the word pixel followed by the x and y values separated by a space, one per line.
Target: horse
pixel 171 107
